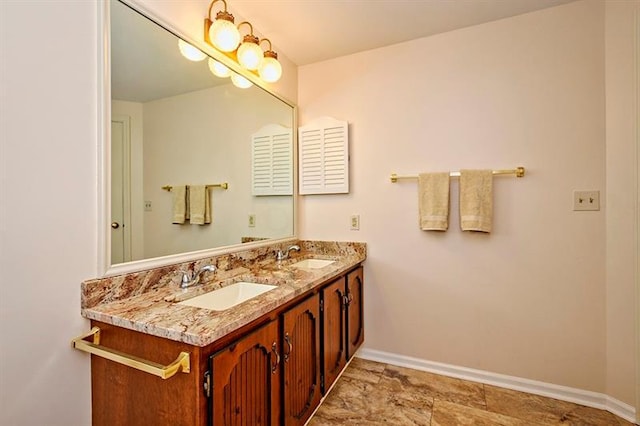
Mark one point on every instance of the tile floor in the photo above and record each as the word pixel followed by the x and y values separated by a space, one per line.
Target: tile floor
pixel 371 393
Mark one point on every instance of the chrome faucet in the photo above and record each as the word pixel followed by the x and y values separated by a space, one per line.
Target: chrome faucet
pixel 188 281
pixel 282 255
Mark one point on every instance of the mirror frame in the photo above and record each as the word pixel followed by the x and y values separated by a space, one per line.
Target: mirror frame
pixel 105 268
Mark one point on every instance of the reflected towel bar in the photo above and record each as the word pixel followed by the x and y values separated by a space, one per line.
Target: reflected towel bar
pixel 518 171
pixel 223 185
pixel 182 363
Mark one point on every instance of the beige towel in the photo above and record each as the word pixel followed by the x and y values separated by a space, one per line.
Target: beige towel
pixel 199 205
pixel 476 200
pixel 179 198
pixel 433 201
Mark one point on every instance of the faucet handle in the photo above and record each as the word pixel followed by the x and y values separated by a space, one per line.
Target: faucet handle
pixel 186 278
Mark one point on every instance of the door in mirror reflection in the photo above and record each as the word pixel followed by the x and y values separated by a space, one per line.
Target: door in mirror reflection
pixel 120 197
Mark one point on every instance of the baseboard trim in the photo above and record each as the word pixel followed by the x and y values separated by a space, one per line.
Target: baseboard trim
pixel 564 393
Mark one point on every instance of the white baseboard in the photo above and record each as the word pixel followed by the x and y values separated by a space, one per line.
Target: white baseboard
pixel 564 393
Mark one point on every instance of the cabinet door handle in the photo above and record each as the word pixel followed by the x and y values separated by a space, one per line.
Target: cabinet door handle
pixel 274 349
pixel 163 371
pixel 345 302
pixel 287 340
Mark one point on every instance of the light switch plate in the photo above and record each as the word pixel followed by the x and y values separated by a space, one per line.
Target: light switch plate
pixel 355 222
pixel 586 200
pixel 252 220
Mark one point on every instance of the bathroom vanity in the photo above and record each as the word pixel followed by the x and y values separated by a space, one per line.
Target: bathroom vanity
pixel 268 360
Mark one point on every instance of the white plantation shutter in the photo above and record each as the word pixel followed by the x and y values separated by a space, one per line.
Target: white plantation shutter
pixel 272 161
pixel 323 157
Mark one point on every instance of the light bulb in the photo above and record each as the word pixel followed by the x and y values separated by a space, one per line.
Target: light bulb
pixel 249 53
pixel 240 81
pixel 270 69
pixel 223 34
pixel 190 52
pixel 218 69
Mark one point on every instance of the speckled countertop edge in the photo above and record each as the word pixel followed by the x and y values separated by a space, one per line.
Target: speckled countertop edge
pixel 156 312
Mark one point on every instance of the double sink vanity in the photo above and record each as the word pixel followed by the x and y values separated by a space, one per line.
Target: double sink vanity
pixel 189 325
pixel 258 341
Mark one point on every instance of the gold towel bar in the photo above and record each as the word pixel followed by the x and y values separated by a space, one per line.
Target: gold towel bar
pixel 223 185
pixel 181 363
pixel 518 171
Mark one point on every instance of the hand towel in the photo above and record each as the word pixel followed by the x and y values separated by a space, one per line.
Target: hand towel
pixel 199 205
pixel 433 201
pixel 179 199
pixel 476 200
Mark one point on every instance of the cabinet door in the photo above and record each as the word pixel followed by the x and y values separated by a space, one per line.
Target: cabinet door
pixel 246 380
pixel 334 354
pixel 301 360
pixel 355 311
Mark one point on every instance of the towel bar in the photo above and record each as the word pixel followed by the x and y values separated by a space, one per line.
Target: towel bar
pixel 223 185
pixel 518 171
pixel 182 363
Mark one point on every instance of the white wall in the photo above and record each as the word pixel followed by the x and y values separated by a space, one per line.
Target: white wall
pixel 528 299
pixel 622 196
pixel 48 208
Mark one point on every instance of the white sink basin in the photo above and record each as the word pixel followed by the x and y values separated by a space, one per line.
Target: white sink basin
pixel 229 296
pixel 312 263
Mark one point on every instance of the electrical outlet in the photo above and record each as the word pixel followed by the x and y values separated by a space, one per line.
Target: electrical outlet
pixel 252 220
pixel 355 222
pixel 586 200
pixel 147 206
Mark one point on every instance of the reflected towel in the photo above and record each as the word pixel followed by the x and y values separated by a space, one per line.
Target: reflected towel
pixel 199 205
pixel 433 201
pixel 476 200
pixel 179 199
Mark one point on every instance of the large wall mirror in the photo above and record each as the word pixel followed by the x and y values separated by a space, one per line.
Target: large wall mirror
pixel 173 123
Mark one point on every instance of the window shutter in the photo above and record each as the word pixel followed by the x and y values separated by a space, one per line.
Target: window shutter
pixel 272 161
pixel 324 157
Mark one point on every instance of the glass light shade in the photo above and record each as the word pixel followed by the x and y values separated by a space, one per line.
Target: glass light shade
pixel 218 69
pixel 224 35
pixel 270 69
pixel 250 55
pixel 240 81
pixel 190 52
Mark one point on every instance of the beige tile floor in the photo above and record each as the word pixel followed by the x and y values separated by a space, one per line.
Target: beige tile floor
pixel 371 393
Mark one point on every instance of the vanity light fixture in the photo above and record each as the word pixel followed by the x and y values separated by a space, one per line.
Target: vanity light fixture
pixel 221 33
pixel 270 69
pixel 249 53
pixel 190 52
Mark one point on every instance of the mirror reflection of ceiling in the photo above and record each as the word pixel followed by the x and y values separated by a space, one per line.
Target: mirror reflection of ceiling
pixel 138 47
pixel 315 30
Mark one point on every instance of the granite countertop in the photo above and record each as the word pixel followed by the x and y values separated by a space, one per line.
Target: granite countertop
pixel 136 304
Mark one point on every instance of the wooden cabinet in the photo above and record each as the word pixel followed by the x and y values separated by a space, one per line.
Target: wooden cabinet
pixel 246 380
pixel 342 324
pixel 124 396
pixel 301 361
pixel 334 341
pixel 247 374
pixel 272 371
pixel 355 313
